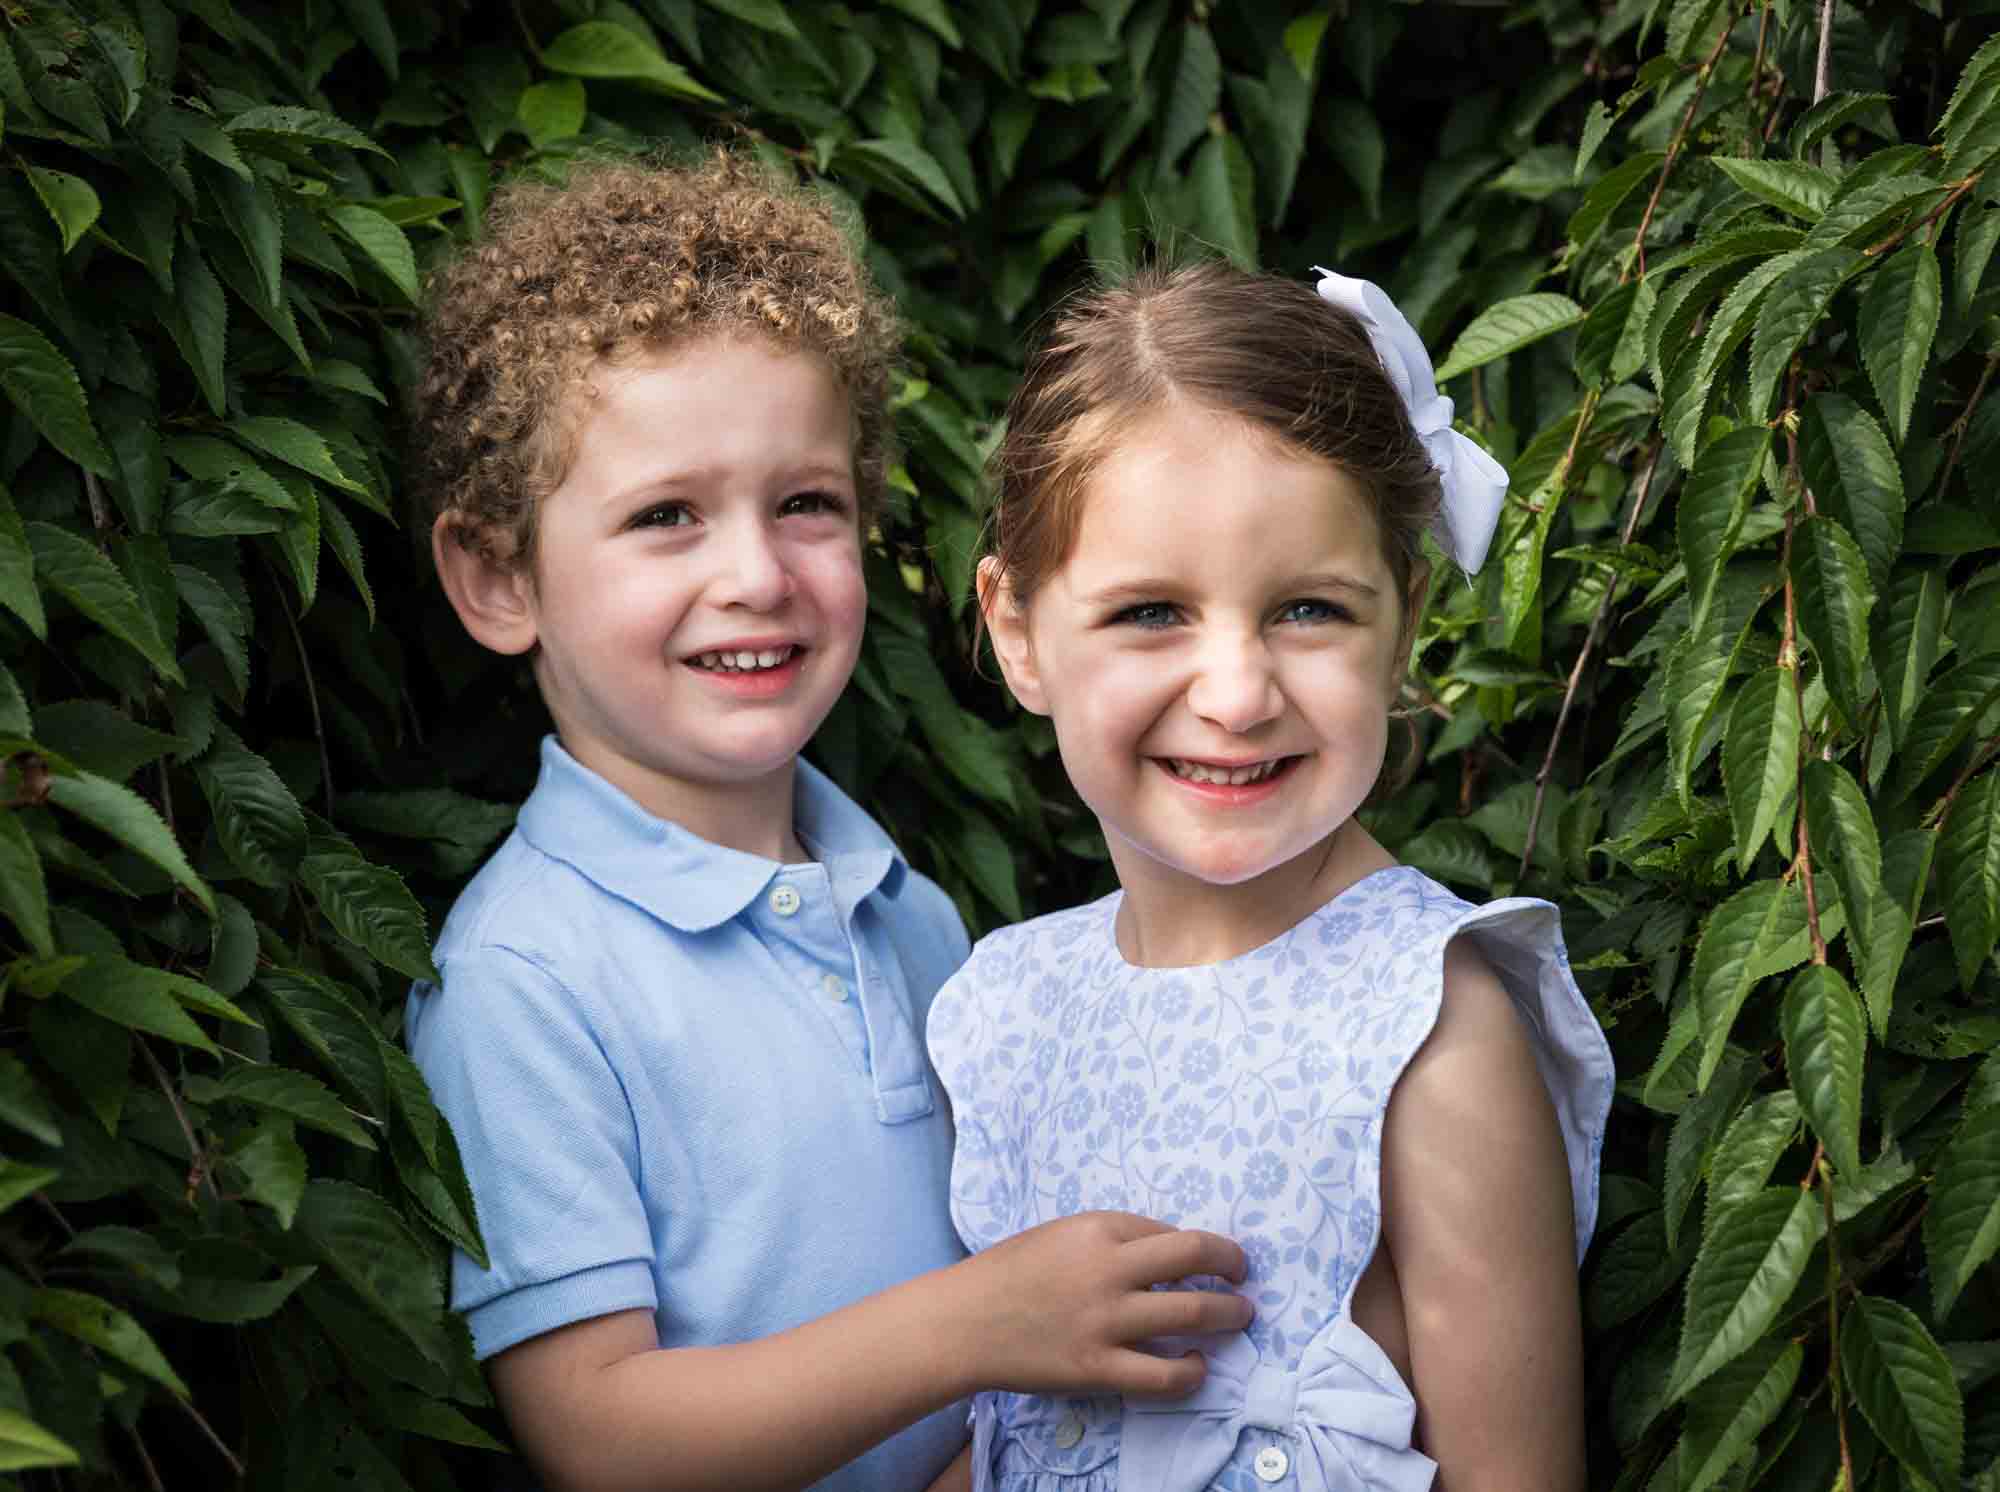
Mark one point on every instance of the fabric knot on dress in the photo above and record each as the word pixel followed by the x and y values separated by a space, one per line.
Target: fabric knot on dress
pixel 1346 1409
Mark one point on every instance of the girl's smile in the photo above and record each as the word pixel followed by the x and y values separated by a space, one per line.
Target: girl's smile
pixel 1218 654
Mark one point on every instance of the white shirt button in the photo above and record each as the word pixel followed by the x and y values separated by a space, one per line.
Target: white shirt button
pixel 1271 1464
pixel 835 987
pixel 1069 1432
pixel 784 901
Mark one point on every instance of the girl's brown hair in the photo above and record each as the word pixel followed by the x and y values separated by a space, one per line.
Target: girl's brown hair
pixel 1265 349
pixel 620 258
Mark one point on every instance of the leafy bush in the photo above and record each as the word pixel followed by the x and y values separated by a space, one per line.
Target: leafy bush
pixel 1715 280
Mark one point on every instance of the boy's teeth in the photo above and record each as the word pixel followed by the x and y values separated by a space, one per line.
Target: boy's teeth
pixel 742 660
pixel 1232 776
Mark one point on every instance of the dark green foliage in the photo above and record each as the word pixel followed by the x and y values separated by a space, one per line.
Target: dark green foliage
pixel 1729 690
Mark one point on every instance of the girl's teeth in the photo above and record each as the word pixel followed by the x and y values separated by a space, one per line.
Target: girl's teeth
pixel 1231 776
pixel 738 662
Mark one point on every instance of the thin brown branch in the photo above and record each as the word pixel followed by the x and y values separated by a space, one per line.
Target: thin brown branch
pixel 100 510
pixel 198 1167
pixel 1979 758
pixel 1964 420
pixel 312 691
pixel 1674 148
pixel 1788 658
pixel 1757 63
pixel 208 1432
pixel 1824 1176
pixel 1590 641
pixel 146 1461
pixel 1823 77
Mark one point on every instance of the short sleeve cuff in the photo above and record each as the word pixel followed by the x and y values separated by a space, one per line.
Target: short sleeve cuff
pixel 507 1320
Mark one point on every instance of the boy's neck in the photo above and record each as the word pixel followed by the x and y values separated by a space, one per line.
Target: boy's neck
pixel 754 817
pixel 1172 920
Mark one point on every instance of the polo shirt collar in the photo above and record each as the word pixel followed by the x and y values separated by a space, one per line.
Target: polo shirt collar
pixel 577 817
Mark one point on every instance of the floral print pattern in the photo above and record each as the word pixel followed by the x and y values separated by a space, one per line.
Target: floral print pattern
pixel 1244 1097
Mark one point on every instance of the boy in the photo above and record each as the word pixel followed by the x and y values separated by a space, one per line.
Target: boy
pixel 679 1034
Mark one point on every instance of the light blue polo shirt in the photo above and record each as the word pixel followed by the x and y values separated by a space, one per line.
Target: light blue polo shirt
pixel 693 1081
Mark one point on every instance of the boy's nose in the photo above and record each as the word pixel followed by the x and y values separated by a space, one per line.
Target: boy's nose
pixel 756 574
pixel 1235 685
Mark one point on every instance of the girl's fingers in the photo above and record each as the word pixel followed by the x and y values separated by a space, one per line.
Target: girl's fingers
pixel 1183 1313
pixel 1176 1254
pixel 1144 1376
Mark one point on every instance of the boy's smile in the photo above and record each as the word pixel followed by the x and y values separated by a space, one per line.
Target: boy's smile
pixel 1218 654
pixel 696 599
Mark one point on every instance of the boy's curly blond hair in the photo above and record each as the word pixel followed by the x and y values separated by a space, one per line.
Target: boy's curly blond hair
pixel 621 258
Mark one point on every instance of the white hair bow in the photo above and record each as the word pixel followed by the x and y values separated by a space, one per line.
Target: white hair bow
pixel 1475 485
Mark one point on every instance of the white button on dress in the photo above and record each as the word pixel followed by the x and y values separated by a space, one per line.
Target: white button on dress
pixel 835 987
pixel 1069 1432
pixel 784 901
pixel 1271 1464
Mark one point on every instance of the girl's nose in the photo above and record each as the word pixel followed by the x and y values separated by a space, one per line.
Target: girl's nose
pixel 756 575
pixel 1235 685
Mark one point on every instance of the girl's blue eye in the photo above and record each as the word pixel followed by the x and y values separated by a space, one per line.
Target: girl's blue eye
pixel 1314 611
pixel 812 502
pixel 1150 615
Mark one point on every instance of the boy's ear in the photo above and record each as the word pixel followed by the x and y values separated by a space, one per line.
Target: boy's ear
pixel 1007 625
pixel 494 601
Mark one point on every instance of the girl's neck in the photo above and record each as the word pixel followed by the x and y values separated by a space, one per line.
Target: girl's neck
pixel 1171 920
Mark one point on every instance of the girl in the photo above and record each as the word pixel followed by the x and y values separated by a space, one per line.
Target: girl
pixel 1207 571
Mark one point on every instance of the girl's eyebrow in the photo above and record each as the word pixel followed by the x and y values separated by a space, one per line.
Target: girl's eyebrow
pixel 1127 592
pixel 1334 580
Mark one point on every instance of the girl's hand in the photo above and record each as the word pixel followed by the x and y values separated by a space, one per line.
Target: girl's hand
pixel 1058 1309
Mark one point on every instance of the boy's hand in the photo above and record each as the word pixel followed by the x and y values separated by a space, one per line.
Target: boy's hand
pixel 1061 1306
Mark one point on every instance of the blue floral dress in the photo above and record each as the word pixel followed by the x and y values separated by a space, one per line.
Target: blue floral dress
pixel 1244 1097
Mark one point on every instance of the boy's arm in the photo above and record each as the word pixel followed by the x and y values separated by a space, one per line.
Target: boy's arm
pixel 1477 1216
pixel 956 1477
pixel 601 1406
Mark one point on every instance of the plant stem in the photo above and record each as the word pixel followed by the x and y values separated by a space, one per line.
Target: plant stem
pixel 1824 1178
pixel 198 1167
pixel 1964 421
pixel 1823 76
pixel 1674 149
pixel 1590 641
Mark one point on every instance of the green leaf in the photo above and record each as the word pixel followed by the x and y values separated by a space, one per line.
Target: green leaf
pixel 197 317
pixel 910 171
pixel 1608 194
pixel 1797 190
pixel 1973 242
pixel 1302 41
pixel 369 905
pixel 1733 1408
pixel 323 1016
pixel 433 1418
pixel 1696 1130
pixel 19 1182
pixel 1944 716
pixel 371 1249
pixel 385 244
pixel 1760 755
pixel 1848 464
pixel 1699 668
pixel 1962 1225
pixel 604 49
pixel 1750 1261
pixel 1750 926
pixel 40 382
pixel 294 444
pixel 1712 508
pixel 287 124
pixel 136 996
pixel 1354 136
pixel 1749 1150
pixel 1903 1384
pixel 1835 597
pixel 1825 1038
pixel 1511 325
pixel 1843 836
pixel 1834 112
pixel 25 1445
pixel 281 1090
pixel 370 21
pixel 221 617
pixel 24 1106
pixel 257 819
pixel 275 1168
pixel 1789 316
pixel 1195 95
pixel 552 111
pixel 131 820
pixel 934 14
pixel 1969 873
pixel 76 570
pixel 1692 377
pixel 71 201
pixel 17 570
pixel 1899 320
pixel 1225 197
pixel 98 1323
pixel 24 894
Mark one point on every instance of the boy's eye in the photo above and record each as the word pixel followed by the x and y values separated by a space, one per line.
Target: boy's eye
pixel 812 502
pixel 663 515
pixel 1309 611
pixel 1150 615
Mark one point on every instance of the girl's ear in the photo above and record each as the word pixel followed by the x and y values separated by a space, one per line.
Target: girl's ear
pixel 1007 624
pixel 495 601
